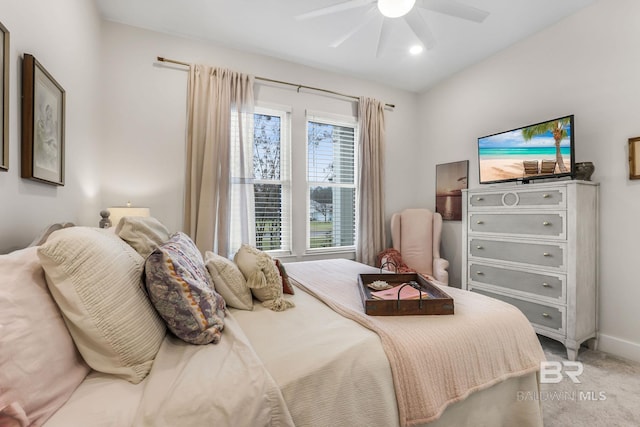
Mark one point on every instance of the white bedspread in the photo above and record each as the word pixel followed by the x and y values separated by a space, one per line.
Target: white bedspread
pixel 307 366
pixel 332 371
pixel 189 385
pixel 435 360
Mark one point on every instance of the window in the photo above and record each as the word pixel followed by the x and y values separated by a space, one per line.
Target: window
pixel 331 182
pixel 260 181
pixel 271 187
pixel 321 204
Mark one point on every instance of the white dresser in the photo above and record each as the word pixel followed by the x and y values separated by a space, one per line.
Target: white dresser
pixel 535 246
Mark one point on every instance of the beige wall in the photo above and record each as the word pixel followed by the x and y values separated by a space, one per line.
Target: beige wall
pixel 64 36
pixel 586 65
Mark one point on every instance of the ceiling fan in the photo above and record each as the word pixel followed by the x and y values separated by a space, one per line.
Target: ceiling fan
pixel 405 9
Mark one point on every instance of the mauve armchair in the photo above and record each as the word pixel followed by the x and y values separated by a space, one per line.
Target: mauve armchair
pixel 415 233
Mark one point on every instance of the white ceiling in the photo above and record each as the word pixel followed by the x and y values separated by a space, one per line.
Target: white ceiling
pixel 268 27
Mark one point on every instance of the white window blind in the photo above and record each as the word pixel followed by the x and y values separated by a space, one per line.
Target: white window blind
pixel 331 181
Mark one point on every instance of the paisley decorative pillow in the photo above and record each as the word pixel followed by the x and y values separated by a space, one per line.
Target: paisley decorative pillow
pixel 181 291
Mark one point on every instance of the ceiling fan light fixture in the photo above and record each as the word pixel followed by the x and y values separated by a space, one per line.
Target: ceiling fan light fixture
pixel 416 49
pixel 395 8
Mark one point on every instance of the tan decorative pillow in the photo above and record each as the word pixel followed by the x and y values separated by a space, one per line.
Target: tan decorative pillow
pixel 262 277
pixel 96 280
pixel 229 281
pixel 144 234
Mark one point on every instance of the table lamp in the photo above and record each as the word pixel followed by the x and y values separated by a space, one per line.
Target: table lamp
pixel 112 216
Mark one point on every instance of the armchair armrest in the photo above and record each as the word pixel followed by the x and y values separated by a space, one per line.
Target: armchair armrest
pixel 440 272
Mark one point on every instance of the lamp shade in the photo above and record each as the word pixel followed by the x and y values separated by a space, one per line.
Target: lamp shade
pixel 395 8
pixel 117 212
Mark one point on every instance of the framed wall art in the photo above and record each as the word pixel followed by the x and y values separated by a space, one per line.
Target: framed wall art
pixel 451 179
pixel 4 98
pixel 43 115
pixel 634 158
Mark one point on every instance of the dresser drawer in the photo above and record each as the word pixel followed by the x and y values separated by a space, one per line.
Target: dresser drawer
pixel 544 285
pixel 523 224
pixel 546 255
pixel 550 198
pixel 539 314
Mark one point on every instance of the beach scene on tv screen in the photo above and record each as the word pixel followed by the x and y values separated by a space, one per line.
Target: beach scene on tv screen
pixel 529 152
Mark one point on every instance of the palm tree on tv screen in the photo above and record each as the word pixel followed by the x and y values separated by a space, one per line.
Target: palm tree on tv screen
pixel 559 130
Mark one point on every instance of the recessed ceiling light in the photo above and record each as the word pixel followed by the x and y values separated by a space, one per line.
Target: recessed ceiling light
pixel 416 49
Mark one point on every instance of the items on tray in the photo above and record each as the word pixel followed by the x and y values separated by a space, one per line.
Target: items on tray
pixel 379 285
pixel 410 291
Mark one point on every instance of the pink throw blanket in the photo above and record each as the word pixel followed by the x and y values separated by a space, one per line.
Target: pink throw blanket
pixel 435 360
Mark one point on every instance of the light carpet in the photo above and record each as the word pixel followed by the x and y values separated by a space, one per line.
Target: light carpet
pixel 608 393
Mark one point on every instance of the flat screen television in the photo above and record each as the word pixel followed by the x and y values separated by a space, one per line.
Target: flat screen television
pixel 541 150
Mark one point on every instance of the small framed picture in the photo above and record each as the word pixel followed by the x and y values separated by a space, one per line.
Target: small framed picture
pixel 634 158
pixel 451 179
pixel 43 115
pixel 4 98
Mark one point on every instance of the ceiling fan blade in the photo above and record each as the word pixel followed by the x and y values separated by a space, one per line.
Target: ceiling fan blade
pixel 351 4
pixel 383 40
pixel 454 8
pixel 369 15
pixel 420 28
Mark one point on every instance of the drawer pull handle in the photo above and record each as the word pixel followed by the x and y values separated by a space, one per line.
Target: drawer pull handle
pixel 480 222
pixel 545 196
pixel 546 285
pixel 546 223
pixel 480 273
pixel 547 315
pixel 479 247
pixel 546 254
pixel 479 199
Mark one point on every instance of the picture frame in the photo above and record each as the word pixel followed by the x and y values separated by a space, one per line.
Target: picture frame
pixel 634 158
pixel 4 98
pixel 43 124
pixel 451 179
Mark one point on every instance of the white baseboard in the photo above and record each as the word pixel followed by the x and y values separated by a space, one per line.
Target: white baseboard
pixel 619 347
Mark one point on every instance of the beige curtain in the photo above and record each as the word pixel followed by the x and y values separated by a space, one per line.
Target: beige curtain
pixel 213 94
pixel 371 225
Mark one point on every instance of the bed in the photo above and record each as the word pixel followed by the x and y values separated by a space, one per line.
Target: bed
pixel 319 365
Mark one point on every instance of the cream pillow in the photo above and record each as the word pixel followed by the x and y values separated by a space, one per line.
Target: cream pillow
pixel 144 234
pixel 96 280
pixel 262 277
pixel 229 281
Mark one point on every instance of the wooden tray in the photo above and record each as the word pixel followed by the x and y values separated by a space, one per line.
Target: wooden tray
pixel 438 302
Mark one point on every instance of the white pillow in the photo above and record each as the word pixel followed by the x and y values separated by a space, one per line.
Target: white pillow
pixel 96 280
pixel 229 281
pixel 144 234
pixel 262 277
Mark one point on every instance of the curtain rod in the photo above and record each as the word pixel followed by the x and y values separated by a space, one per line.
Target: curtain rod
pixel 299 86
